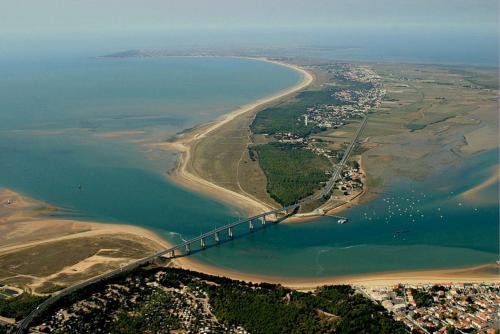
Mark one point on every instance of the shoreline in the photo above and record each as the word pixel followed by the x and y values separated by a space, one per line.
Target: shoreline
pixel 183 177
pixel 186 177
pixel 82 229
pixel 469 274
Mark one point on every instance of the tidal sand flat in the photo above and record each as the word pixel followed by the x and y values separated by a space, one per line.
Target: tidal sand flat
pixel 43 253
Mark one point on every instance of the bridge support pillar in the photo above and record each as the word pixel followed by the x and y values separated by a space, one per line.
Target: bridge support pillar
pixel 172 253
pixel 250 225
pixel 216 237
pixel 230 232
pixel 202 243
pixel 263 220
pixel 188 248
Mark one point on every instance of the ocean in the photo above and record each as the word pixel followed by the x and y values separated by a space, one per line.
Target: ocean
pixel 61 126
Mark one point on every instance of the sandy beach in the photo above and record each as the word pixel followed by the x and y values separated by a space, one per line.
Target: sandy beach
pixel 185 175
pixel 39 252
pixel 475 274
pixel 22 231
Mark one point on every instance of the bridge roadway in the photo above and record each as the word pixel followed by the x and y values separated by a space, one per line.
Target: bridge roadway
pixel 347 153
pixel 24 324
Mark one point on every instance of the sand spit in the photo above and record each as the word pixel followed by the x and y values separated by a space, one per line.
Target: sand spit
pixel 185 176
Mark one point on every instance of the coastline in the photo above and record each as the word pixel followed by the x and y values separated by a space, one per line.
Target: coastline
pixel 472 274
pixel 24 223
pixel 20 224
pixel 185 176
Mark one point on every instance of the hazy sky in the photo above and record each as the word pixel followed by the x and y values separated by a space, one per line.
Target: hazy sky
pixel 47 16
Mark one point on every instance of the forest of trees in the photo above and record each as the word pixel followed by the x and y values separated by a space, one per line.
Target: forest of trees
pixel 273 309
pixel 258 308
pixel 286 117
pixel 292 171
pixel 19 307
pixel 422 298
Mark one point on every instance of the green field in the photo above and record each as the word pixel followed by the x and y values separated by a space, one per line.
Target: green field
pixel 292 171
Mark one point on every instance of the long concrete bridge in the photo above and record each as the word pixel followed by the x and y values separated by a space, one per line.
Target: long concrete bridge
pixel 217 233
pixel 186 247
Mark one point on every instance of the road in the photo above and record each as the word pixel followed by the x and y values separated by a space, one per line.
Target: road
pixel 347 153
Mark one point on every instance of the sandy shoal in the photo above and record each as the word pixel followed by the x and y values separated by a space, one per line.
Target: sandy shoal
pixel 475 191
pixel 120 134
pixel 65 229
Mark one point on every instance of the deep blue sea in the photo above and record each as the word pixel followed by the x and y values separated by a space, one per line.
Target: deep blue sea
pixel 55 115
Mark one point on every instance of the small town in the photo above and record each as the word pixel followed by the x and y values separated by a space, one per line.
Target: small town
pixel 364 93
pixel 350 105
pixel 355 91
pixel 451 308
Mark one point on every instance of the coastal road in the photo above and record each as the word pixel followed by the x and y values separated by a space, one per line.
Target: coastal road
pixel 340 165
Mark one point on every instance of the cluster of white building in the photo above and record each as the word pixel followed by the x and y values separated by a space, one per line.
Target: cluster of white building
pixel 465 307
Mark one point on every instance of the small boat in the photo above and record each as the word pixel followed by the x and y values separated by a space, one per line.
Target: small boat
pixel 342 221
pixel 79 187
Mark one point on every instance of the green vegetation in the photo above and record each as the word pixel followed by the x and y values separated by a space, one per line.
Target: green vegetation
pixel 292 171
pixel 150 301
pixel 318 97
pixel 20 306
pixel 422 299
pixel 274 309
pixel 286 117
pixel 147 317
pixel 4 329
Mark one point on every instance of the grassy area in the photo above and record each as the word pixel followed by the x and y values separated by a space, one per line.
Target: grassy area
pixel 47 259
pixel 292 171
pixel 51 258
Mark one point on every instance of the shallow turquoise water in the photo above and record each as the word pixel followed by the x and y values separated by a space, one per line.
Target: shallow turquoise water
pixel 413 225
pixel 51 115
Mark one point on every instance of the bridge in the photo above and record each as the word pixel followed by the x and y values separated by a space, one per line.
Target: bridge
pixel 215 235
pixel 183 248
pixel 228 229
